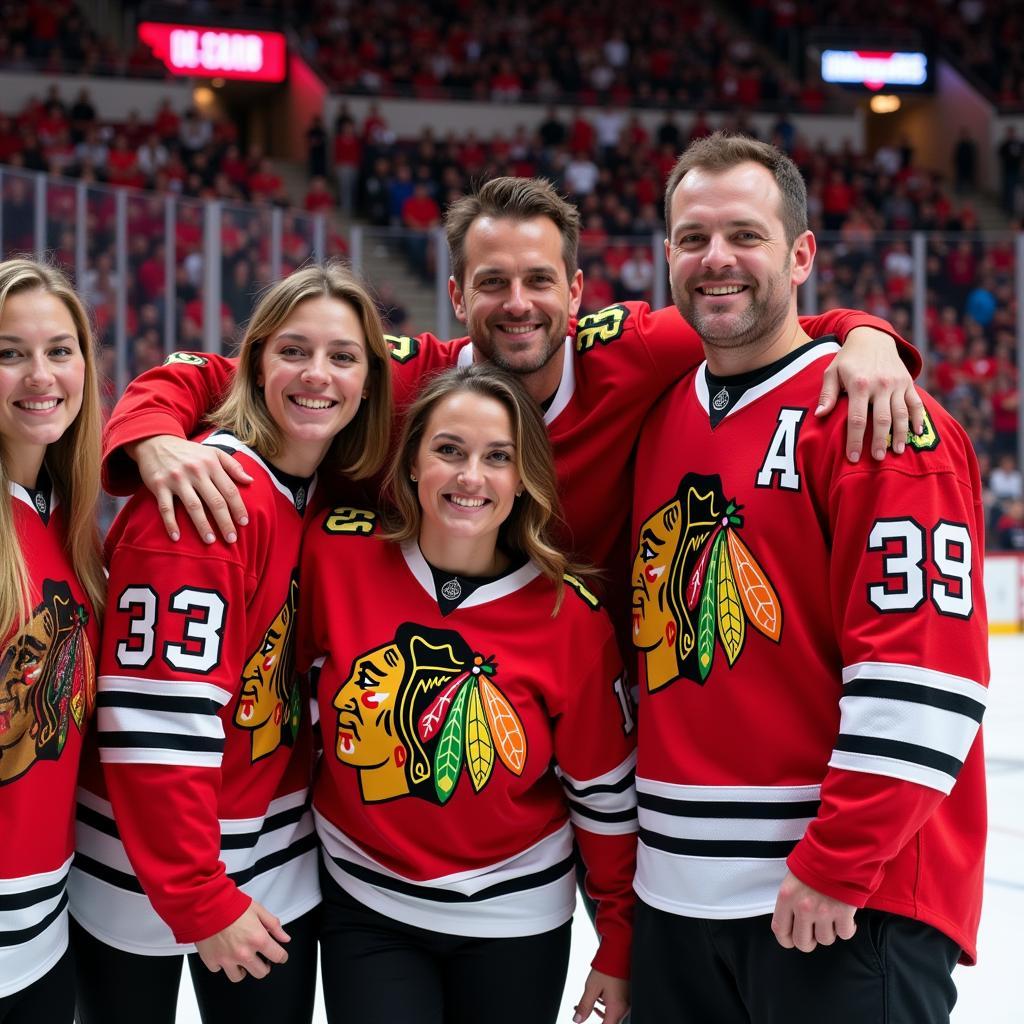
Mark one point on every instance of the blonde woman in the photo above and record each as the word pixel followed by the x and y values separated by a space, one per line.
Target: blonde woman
pixel 51 592
pixel 475 727
pixel 203 841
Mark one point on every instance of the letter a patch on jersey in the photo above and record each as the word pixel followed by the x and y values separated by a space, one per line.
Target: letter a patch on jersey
pixel 779 466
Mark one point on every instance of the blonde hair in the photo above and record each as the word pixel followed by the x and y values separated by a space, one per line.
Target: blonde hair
pixel 527 529
pixel 73 462
pixel 360 448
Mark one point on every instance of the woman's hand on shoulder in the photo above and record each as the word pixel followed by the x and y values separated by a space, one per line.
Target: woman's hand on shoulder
pixel 605 995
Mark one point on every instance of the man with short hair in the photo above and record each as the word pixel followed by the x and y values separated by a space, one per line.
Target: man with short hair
pixel 812 655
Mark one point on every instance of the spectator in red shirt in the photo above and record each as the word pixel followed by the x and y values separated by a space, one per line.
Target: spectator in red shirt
pixel 420 213
pixel 318 197
pixel 348 155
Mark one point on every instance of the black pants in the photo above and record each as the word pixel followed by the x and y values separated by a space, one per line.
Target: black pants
pixel 694 971
pixel 115 987
pixel 48 1000
pixel 378 971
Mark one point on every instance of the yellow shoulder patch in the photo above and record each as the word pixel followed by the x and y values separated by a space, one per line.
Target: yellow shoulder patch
pixel 926 441
pixel 604 326
pixel 186 357
pixel 402 347
pixel 344 519
pixel 587 596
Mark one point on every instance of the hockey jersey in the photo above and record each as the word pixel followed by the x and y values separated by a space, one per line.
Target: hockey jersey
pixel 47 693
pixel 202 729
pixel 812 657
pixel 464 753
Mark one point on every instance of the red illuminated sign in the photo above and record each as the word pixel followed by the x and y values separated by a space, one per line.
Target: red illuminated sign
pixel 199 51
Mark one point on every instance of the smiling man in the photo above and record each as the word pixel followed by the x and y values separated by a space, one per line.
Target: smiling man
pixel 813 655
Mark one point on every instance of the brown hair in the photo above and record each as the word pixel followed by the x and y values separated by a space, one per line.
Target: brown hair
pixel 360 448
pixel 515 199
pixel 73 461
pixel 527 529
pixel 720 152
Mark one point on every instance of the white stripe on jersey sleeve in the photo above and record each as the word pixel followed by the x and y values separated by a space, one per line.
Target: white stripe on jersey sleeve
pixel 907 723
pixel 606 804
pixel 160 721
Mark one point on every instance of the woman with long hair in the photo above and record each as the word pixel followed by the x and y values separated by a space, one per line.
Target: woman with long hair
pixel 202 842
pixel 475 726
pixel 51 592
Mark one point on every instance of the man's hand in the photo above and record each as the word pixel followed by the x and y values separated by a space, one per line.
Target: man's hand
pixel 245 946
pixel 606 995
pixel 806 918
pixel 200 477
pixel 870 371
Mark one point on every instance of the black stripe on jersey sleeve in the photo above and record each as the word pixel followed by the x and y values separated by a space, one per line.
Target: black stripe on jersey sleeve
pixel 437 895
pixel 766 849
pixel 23 935
pixel 161 740
pixel 900 751
pixel 768 810
pixel 30 897
pixel 275 859
pixel 914 693
pixel 606 787
pixel 96 820
pixel 586 812
pixel 157 702
pixel 105 873
pixel 243 840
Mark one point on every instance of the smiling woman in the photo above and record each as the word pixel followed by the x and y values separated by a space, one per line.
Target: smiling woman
pixel 458 665
pixel 51 589
pixel 204 734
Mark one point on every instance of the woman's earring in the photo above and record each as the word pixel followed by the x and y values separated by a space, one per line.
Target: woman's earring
pixel 412 477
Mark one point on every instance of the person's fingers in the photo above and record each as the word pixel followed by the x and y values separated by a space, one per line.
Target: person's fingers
pixel 881 424
pixel 846 926
pixel 829 392
pixel 233 473
pixel 803 933
pixel 825 932
pixel 615 1011
pixel 211 496
pixel 165 506
pixel 197 513
pixel 255 966
pixel 585 1007
pixel 233 972
pixel 916 409
pixel 856 418
pixel 782 926
pixel 900 421
pixel 274 928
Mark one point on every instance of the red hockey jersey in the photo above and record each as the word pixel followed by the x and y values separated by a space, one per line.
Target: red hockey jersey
pixel 465 752
pixel 202 729
pixel 47 692
pixel 813 657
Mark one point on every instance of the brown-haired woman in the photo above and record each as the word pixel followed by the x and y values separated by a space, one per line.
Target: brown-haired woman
pixel 475 726
pixel 51 591
pixel 206 845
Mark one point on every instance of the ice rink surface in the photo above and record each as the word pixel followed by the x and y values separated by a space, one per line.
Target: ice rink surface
pixel 993 991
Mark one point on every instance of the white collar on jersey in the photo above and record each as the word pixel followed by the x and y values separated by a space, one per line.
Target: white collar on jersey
pixel 786 372
pixel 482 595
pixel 566 387
pixel 222 439
pixel 19 492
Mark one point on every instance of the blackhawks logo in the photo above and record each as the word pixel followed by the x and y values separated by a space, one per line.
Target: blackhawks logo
pixel 47 682
pixel 697 587
pixel 270 702
pixel 415 712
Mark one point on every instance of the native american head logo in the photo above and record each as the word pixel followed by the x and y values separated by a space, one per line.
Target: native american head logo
pixel 270 704
pixel 47 681
pixel 694 582
pixel 415 711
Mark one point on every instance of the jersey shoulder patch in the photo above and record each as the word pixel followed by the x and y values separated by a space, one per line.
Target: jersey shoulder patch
pixel 587 596
pixel 604 326
pixel 186 357
pixel 926 441
pixel 402 347
pixel 345 519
